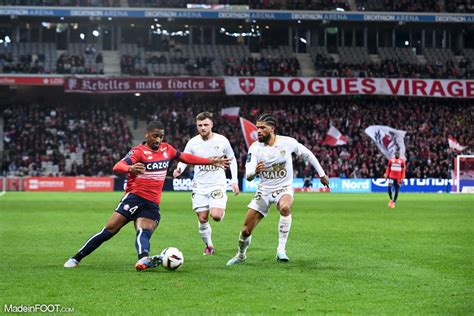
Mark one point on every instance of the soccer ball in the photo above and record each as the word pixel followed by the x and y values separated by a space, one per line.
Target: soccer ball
pixel 172 258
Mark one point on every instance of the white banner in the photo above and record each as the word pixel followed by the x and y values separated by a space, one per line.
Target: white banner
pixel 387 139
pixel 349 86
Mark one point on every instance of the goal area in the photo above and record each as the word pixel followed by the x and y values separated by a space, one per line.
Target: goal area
pixel 463 174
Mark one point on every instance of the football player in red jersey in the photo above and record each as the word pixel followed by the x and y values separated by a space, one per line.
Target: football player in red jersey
pixel 146 166
pixel 395 174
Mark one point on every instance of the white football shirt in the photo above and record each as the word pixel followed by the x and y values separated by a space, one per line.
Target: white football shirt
pixel 208 175
pixel 278 161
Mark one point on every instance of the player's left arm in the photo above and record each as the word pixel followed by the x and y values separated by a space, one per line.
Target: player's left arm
pixel 229 152
pixel 403 172
pixel 308 155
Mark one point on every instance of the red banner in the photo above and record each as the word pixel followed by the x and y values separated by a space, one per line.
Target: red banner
pixel 81 184
pixel 25 80
pixel 142 84
pixel 349 86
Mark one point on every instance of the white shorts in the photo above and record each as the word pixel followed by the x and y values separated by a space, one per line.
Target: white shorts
pixel 203 200
pixel 262 201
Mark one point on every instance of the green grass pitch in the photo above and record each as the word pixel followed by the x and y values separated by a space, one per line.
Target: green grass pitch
pixel 350 254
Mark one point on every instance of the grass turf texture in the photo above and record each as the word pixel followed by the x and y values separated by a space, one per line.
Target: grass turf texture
pixel 349 254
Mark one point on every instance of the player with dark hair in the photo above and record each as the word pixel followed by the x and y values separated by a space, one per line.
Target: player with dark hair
pixel 271 159
pixel 395 174
pixel 209 183
pixel 146 166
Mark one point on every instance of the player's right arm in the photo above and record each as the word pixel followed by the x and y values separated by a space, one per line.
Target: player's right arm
pixel 181 165
pixel 130 164
pixel 387 171
pixel 252 167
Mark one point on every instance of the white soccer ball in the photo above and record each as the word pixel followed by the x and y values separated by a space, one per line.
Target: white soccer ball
pixel 172 258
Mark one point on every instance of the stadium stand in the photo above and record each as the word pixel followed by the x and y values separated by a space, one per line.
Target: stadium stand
pixel 67 3
pixel 394 63
pixel 60 145
pixel 457 6
pixel 399 5
pixel 234 60
pixel 63 140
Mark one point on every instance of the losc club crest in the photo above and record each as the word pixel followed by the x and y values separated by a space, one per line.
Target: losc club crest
pixel 247 84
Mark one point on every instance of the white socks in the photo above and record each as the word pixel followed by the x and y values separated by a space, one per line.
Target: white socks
pixel 205 231
pixel 244 243
pixel 283 230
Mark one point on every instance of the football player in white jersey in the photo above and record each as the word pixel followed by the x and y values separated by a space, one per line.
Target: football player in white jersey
pixel 209 183
pixel 270 158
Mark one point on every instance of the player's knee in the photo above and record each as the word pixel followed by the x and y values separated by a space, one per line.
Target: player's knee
pixel 217 218
pixel 202 220
pixel 246 231
pixel 112 229
pixel 285 210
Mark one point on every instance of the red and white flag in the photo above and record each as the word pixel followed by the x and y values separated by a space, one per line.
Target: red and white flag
pixel 249 130
pixel 231 112
pixel 387 139
pixel 453 144
pixel 334 137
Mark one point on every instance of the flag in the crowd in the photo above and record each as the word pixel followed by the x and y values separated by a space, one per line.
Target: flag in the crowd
pixel 231 112
pixel 453 143
pixel 249 130
pixel 334 137
pixel 387 139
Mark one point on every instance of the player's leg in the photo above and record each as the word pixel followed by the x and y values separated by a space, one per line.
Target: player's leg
pixel 284 206
pixel 257 209
pixel 251 220
pixel 390 192
pixel 217 213
pixel 217 203
pixel 397 188
pixel 201 202
pixel 205 230
pixel 113 226
pixel 145 228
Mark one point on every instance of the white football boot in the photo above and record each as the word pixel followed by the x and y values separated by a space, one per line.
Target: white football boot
pixel 71 263
pixel 239 258
pixel 281 256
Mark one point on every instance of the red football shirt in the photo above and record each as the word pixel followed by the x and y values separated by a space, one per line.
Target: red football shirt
pixel 149 185
pixel 395 169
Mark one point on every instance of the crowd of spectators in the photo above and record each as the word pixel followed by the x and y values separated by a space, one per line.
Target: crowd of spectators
pixel 36 134
pixel 29 63
pixel 75 64
pixel 74 139
pixel 428 123
pixel 389 68
pixel 262 66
